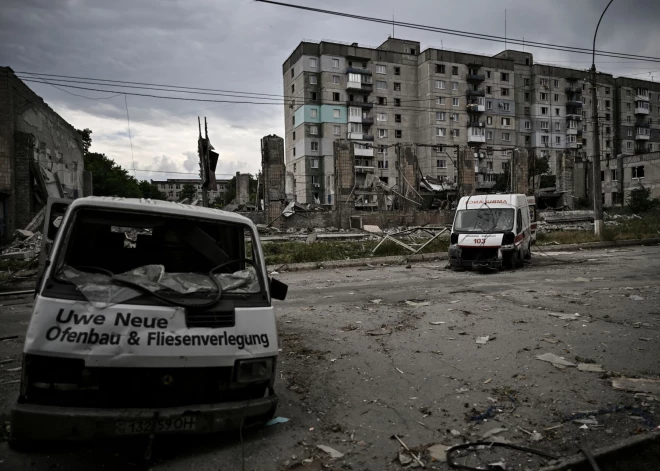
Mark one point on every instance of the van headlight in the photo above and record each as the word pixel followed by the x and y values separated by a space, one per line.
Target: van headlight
pixel 453 239
pixel 254 371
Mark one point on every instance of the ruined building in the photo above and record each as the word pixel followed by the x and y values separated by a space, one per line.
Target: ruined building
pixel 41 155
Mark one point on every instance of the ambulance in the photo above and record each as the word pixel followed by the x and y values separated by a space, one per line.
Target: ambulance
pixel 492 232
pixel 150 317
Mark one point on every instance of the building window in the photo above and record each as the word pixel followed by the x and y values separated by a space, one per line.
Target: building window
pixel 489 120
pixel 489 135
pixel 455 132
pixel 294 151
pixel 397 87
pixel 628 119
pixel 313 96
pixel 544 82
pixel 397 118
pixel 454 85
pixel 380 85
pixel 545 140
pixel 315 180
pixel 439 68
pixel 441 164
pixel 382 100
pixel 526 82
pixel 315 146
pixel 613 175
pixel 638 172
pixel 381 69
pixel 489 90
pixel 454 70
pixel 313 130
pixel 440 84
pixel 607 90
pixel 315 162
pixel 335 63
pixel 336 130
pixel 454 102
pixel 312 62
pixel 504 77
pixel 440 115
pixel 312 80
pixel 628 145
pixel 335 96
pixel 355 127
pixel 397 71
pixel 440 100
pixel 528 125
pixel 608 104
pixel 397 133
pixel 558 126
pixel 545 125
pixel 506 107
pixel 397 102
pixel 544 110
pixel 382 164
pixel 335 79
pixel 527 97
pixel 544 96
pixel 293 88
pixel 506 136
pixel 313 113
pixel 489 105
pixel 381 117
pixel 382 133
pixel 557 140
pixel 293 120
pixel 440 132
pixel 488 74
pixel 506 121
pixel 505 92
pixel 336 113
pixel 293 73
pixel 556 97
pixel 627 106
pixel 556 83
pixel 294 135
pixel 355 112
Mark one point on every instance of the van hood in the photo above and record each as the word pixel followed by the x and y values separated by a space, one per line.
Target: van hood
pixel 480 240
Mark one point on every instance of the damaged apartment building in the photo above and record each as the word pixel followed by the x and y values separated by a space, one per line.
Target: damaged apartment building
pixel 442 101
pixel 41 155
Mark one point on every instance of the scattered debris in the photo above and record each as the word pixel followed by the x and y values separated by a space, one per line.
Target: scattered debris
pixel 418 304
pixel 586 421
pixel 404 459
pixel 550 340
pixel 536 436
pixel 437 322
pixel 416 458
pixel 499 464
pixel 381 331
pixel 331 451
pixel 493 431
pixel 455 433
pixel 277 420
pixel 488 380
pixel 565 317
pixel 554 359
pixel 634 297
pixel 9 337
pixel 375 301
pixel 12 370
pixel 372 229
pixel 637 385
pixel 438 452
pixel 483 340
pixel 590 367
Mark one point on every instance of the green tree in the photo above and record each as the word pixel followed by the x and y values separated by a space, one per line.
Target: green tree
pixel 149 190
pixel 86 136
pixel 502 182
pixel 640 200
pixel 110 179
pixel 188 191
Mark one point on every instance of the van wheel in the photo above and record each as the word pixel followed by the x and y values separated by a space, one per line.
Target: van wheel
pixel 519 259
pixel 528 255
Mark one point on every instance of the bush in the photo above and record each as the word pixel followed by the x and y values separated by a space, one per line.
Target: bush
pixel 640 200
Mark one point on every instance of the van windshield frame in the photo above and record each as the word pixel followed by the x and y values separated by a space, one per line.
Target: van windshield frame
pixel 484 220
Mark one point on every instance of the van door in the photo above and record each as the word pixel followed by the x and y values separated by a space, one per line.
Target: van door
pixel 55 210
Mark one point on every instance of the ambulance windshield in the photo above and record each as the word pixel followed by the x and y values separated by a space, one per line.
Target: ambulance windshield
pixel 484 220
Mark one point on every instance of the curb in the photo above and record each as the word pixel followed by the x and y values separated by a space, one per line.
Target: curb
pixel 427 257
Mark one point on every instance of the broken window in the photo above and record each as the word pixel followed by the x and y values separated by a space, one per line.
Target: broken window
pixel 486 219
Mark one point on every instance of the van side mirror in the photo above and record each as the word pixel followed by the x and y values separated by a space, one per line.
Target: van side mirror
pixel 278 289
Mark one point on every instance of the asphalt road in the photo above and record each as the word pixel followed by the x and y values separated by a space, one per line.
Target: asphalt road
pixel 360 364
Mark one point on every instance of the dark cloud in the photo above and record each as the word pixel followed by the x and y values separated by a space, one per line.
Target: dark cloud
pixel 241 45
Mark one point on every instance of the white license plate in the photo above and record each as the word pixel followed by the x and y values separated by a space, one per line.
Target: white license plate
pixel 133 427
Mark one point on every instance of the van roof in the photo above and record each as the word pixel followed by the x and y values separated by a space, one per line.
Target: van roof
pixel 158 206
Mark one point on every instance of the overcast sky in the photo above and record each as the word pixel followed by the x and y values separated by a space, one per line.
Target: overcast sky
pixel 240 45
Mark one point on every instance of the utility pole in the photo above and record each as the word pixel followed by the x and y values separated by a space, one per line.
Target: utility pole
pixel 598 192
pixel 205 159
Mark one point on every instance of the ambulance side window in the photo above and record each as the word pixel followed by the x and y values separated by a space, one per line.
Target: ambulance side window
pixel 519 222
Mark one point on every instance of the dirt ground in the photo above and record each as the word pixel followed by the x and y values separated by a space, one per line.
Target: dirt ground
pixel 359 364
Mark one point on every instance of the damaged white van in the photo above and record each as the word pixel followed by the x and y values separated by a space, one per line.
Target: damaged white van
pixel 150 317
pixel 491 232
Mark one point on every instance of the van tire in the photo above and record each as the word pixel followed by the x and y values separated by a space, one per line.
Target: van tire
pixel 519 259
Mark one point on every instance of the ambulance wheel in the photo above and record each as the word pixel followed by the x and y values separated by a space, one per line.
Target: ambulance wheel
pixel 519 259
pixel 528 255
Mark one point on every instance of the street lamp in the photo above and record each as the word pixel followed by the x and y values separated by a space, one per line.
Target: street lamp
pixel 598 197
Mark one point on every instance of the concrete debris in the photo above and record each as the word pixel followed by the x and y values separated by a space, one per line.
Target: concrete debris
pixel 581 279
pixel 493 431
pixel 637 385
pixel 418 303
pixel 634 297
pixel 438 452
pixel 26 245
pixel 498 465
pixel 372 229
pixel 590 367
pixel 584 427
pixel 381 331
pixel 483 340
pixel 277 420
pixel 404 459
pixel 455 433
pixel 586 421
pixel 375 301
pixel 331 451
pixel 536 436
pixel 311 238
pixel 550 340
pixel 554 359
pixel 565 317
pixel 437 322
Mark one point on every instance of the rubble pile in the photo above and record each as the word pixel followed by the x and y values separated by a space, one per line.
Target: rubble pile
pixel 26 245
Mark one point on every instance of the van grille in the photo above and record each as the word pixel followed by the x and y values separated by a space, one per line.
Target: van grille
pixel 478 253
pixel 210 319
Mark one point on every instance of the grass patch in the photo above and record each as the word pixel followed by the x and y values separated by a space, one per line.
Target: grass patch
pixel 323 251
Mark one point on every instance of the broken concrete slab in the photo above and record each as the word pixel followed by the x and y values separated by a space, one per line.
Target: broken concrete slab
pixel 565 317
pixel 372 229
pixel 493 431
pixel 483 340
pixel 554 359
pixel 637 385
pixel 590 367
pixel 438 452
pixel 418 303
pixel 23 255
pixel 331 451
pixel 634 297
pixel 311 238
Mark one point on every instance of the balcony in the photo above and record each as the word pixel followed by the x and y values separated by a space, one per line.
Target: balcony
pixel 367 121
pixel 579 132
pixel 356 135
pixel 368 152
pixel 573 145
pixel 364 167
pixel 361 104
pixel 570 131
pixel 476 138
pixel 359 87
pixel 367 137
pixel 640 151
pixel 569 90
pixel 574 103
pixel 476 108
pixel 643 124
pixel 476 92
pixel 641 110
pixel 475 77
pixel 642 135
pixel 476 124
pixel 357 70
pixel 642 97
pixel 573 117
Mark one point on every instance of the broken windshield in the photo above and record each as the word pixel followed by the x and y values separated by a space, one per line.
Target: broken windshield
pixel 484 220
pixel 112 256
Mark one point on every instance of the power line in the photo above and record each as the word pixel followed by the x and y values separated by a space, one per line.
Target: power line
pixel 485 37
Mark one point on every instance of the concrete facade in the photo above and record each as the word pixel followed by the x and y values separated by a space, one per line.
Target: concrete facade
pixel 242 188
pixel 637 116
pixel 41 155
pixel 172 187
pixel 272 169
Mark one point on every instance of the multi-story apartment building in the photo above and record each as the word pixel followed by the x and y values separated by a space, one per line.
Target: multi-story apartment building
pixel 172 187
pixel 440 99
